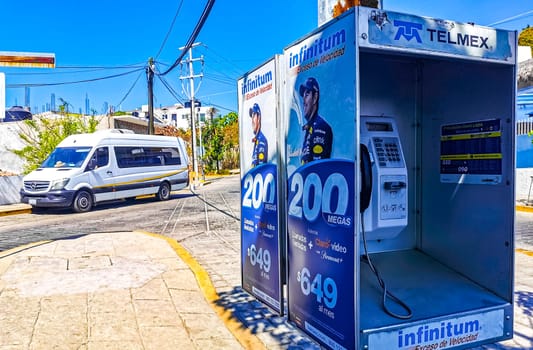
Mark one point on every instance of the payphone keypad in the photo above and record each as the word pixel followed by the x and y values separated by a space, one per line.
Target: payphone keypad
pixel 388 152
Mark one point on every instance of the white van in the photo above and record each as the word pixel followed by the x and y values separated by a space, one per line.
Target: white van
pixel 87 169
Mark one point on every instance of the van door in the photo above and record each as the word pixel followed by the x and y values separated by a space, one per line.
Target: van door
pixel 102 175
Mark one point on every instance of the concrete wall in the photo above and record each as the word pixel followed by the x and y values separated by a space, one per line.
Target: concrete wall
pixel 9 189
pixel 525 74
pixel 9 139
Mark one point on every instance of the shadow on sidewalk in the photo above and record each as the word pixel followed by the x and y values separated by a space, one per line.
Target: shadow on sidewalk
pixel 262 321
pixel 524 300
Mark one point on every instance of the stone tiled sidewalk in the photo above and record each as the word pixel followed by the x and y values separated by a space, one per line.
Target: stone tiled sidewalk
pixel 105 291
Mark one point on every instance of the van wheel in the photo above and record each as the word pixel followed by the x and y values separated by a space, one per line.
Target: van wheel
pixel 83 202
pixel 164 192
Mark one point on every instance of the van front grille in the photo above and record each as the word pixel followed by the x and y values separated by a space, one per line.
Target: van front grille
pixel 36 186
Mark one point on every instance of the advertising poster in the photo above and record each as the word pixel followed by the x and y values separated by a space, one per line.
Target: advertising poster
pixel 320 156
pixel 260 243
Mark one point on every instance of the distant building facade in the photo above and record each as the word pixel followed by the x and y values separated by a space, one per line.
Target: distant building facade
pixel 178 115
pixel 87 105
pixel 27 97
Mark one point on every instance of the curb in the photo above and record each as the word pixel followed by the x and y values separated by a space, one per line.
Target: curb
pixel 14 209
pixel 15 212
pixel 243 335
pixel 524 251
pixel 524 208
pixel 18 249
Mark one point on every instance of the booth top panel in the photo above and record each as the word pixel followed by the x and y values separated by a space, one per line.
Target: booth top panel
pixel 380 29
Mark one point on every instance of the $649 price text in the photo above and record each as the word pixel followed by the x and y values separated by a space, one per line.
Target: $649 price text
pixel 324 290
pixel 259 257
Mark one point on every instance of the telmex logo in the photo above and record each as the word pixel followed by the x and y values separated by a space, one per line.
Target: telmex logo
pixel 408 30
pixel 411 30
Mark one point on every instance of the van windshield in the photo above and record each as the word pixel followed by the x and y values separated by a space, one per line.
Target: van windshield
pixel 66 157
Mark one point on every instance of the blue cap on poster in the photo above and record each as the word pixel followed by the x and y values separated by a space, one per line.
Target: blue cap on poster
pixel 310 85
pixel 255 109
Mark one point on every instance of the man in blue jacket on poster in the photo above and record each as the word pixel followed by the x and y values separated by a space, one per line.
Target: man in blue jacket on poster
pixel 318 137
pixel 260 153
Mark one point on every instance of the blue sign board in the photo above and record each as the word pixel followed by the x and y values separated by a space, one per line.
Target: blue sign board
pixel 259 235
pixel 260 224
pixel 320 161
pixel 406 31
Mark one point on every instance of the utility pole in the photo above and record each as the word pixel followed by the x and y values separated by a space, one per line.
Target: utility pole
pixel 201 146
pixel 150 78
pixel 191 77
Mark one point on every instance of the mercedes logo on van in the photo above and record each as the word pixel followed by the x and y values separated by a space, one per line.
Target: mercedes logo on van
pixel 33 186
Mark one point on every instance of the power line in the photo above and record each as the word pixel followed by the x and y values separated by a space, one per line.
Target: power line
pixel 215 78
pixel 230 63
pixel 221 75
pixel 222 107
pixel 87 69
pixel 191 40
pixel 170 89
pixel 131 88
pixel 217 94
pixel 134 65
pixel 72 82
pixel 510 19
pixel 169 30
pixel 193 36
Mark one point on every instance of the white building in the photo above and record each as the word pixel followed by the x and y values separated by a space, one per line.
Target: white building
pixel 178 115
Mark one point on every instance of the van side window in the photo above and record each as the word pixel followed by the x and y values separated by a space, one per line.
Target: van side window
pixel 132 157
pixel 171 156
pixel 102 156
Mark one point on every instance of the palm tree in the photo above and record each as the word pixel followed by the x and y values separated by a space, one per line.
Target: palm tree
pixel 63 108
pixel 211 112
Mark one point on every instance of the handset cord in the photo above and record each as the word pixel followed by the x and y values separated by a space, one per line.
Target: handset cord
pixel 382 283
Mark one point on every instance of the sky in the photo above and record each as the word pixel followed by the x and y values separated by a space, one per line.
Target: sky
pixel 101 47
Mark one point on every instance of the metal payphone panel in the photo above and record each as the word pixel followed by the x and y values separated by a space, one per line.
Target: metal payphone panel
pixel 386 216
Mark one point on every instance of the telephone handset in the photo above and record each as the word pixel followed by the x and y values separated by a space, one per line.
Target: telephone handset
pixel 383 197
pixel 366 178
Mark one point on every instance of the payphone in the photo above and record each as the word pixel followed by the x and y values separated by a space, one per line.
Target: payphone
pixel 383 195
pixel 356 217
pixel 384 186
